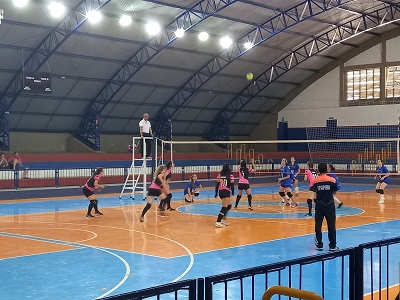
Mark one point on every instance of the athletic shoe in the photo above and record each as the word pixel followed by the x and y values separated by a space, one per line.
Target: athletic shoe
pixel 340 205
pixel 89 216
pixel 141 219
pixel 250 208
pixel 334 249
pixel 225 222
pixel 187 200
pixel 161 209
pixel 381 201
pixel 308 215
pixel 319 247
pixel 170 208
pixel 283 201
pixel 219 225
pixel 296 204
pixel 97 213
pixel 287 204
pixel 235 207
pixel 192 200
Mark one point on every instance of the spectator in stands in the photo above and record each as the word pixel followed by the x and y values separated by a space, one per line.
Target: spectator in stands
pixel 3 162
pixel 16 164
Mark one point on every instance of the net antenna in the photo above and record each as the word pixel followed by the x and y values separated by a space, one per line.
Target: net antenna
pixel 1 15
pixel 170 136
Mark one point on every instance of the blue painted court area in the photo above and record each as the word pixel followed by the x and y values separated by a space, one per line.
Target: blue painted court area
pixel 88 272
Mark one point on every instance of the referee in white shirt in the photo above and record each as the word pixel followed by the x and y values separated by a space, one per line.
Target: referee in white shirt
pixel 145 131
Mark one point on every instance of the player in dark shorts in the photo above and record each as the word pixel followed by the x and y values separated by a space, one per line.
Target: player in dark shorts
pixel 166 188
pixel 309 176
pixel 155 189
pixel 383 174
pixel 244 183
pixel 224 187
pixel 88 191
pixel 285 182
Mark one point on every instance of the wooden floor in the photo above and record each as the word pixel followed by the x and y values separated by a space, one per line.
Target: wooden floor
pixel 41 226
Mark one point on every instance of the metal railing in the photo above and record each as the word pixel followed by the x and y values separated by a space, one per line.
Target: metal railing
pixel 368 271
pixel 185 289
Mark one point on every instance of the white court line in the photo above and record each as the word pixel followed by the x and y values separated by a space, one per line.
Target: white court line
pixel 77 229
pixel 127 267
pixel 191 256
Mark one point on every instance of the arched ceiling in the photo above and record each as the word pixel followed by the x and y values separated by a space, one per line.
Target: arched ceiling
pixel 192 83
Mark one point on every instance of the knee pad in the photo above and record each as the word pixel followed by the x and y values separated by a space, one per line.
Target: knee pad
pixel 282 194
pixel 290 195
pixel 196 194
pixel 377 190
pixel 381 191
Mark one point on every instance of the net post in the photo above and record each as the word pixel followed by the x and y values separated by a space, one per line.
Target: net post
pixel 398 142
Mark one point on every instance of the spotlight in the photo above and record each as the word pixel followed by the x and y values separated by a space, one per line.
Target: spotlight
pixel 56 9
pixel 203 36
pixel 93 16
pixel 248 45
pixel 153 28
pixel 225 42
pixel 20 3
pixel 125 20
pixel 179 32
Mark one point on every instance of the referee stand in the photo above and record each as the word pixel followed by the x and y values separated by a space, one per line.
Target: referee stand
pixel 136 179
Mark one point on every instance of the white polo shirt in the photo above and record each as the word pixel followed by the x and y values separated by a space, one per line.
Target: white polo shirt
pixel 146 125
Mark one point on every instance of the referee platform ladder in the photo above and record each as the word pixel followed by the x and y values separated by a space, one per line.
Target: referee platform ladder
pixel 136 179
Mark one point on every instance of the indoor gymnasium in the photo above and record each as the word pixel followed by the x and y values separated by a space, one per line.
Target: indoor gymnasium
pixel 199 149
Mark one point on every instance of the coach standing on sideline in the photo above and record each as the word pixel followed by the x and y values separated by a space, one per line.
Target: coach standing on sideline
pixel 324 187
pixel 145 131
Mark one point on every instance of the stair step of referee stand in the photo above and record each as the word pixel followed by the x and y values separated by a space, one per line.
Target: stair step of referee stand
pixel 137 174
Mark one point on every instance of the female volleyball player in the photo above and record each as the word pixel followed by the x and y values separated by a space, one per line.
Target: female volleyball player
pixel 244 182
pixel 383 174
pixel 285 182
pixel 309 176
pixel 88 191
pixel 166 190
pixel 192 189
pixel 295 169
pixel 331 172
pixel 155 189
pixel 224 186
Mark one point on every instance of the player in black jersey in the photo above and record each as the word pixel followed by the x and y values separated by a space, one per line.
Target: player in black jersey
pixel 88 191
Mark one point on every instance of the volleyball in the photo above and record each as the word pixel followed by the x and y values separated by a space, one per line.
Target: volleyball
pixel 249 76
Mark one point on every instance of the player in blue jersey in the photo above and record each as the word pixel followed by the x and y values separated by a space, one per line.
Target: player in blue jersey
pixel 285 182
pixel 331 172
pixel 295 169
pixel 383 174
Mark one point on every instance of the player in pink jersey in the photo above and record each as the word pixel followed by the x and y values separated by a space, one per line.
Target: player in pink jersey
pixel 155 189
pixel 244 183
pixel 166 189
pixel 88 191
pixel 309 176
pixel 224 186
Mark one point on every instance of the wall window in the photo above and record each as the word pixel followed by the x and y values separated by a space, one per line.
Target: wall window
pixel 393 82
pixel 363 84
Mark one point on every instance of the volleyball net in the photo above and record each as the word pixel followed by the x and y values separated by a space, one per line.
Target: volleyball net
pixel 352 156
